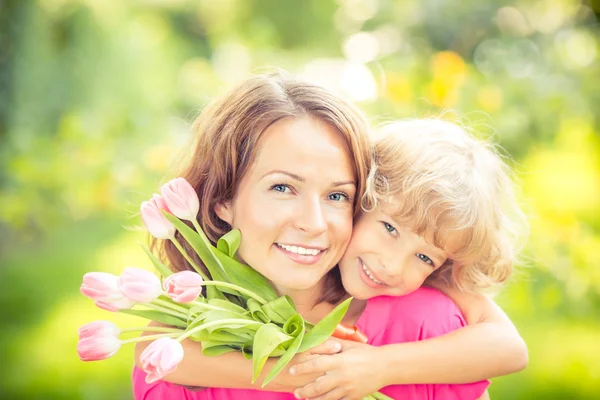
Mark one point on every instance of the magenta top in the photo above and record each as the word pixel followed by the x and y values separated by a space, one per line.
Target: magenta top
pixel 423 314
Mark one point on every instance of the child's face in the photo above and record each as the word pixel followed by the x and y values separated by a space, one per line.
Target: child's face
pixel 385 258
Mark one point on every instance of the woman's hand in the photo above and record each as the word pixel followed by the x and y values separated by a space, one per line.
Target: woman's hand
pixel 351 374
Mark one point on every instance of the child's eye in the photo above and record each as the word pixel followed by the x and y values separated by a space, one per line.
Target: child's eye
pixel 339 197
pixel 280 188
pixel 390 228
pixel 425 259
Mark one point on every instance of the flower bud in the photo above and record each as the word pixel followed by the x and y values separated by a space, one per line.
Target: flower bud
pixel 103 288
pixel 99 347
pixel 184 286
pixel 160 358
pixel 181 199
pixel 155 221
pixel 139 285
pixel 98 328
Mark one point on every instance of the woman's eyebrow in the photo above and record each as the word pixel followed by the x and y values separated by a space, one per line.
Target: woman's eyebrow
pixel 280 171
pixel 342 183
pixel 302 179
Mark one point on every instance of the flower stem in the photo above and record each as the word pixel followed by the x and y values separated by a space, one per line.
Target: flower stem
pixel 209 306
pixel 217 323
pixel 171 305
pixel 168 311
pixel 237 288
pixel 188 258
pixel 151 329
pixel 149 337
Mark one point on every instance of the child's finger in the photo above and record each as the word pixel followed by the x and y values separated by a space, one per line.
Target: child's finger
pixel 319 364
pixel 330 346
pixel 323 387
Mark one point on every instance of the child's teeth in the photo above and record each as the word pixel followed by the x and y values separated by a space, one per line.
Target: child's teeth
pixel 364 267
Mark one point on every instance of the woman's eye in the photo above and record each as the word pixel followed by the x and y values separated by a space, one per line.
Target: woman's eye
pixel 339 197
pixel 279 188
pixel 390 228
pixel 425 259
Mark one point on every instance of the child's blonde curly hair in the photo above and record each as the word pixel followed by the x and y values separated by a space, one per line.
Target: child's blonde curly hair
pixel 455 189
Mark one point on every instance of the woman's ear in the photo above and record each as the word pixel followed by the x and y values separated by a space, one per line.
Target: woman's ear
pixel 224 211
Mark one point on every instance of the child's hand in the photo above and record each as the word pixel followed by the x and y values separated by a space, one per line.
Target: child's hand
pixel 287 382
pixel 351 374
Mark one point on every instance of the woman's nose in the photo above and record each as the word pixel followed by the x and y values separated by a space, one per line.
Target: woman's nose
pixel 310 217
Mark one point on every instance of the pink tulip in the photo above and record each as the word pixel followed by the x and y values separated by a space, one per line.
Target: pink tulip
pixel 184 286
pixel 98 328
pixel 181 198
pixel 103 288
pixel 99 347
pixel 155 221
pixel 139 285
pixel 161 358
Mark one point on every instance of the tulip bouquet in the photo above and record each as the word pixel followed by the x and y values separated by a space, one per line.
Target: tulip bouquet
pixel 233 308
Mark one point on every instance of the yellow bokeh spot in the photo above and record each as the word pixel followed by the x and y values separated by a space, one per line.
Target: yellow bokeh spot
pixel 448 67
pixel 442 94
pixel 563 180
pixel 399 89
pixel 157 158
pixel 490 98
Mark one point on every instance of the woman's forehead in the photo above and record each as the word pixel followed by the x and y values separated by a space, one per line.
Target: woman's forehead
pixel 304 146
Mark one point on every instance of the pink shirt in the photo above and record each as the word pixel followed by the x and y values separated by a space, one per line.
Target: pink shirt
pixel 423 314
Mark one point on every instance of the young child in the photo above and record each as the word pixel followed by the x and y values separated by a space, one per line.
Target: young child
pixel 487 348
pixel 443 212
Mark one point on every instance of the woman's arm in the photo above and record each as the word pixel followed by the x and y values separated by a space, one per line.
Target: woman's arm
pixel 198 370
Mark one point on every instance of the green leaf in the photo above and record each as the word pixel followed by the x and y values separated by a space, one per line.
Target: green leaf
pixel 216 348
pixel 228 306
pixel 202 246
pixel 293 327
pixel 227 336
pixel 230 242
pixel 247 277
pixel 324 329
pixel 214 293
pixel 257 312
pixel 219 315
pixel 162 268
pixel 157 316
pixel 247 349
pixel 279 310
pixel 267 339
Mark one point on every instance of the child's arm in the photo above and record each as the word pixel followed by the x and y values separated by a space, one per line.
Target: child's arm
pixel 490 347
pixel 198 370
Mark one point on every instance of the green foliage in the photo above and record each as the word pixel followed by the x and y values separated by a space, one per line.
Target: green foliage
pixel 95 101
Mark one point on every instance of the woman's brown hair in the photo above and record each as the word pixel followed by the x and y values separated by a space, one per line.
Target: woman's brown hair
pixel 226 136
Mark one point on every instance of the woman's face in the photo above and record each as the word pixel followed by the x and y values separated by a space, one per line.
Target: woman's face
pixel 294 205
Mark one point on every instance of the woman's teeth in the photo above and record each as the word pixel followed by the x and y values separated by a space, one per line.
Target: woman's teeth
pixel 299 250
pixel 369 274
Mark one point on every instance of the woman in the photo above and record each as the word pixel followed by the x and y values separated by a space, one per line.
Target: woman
pixel 285 162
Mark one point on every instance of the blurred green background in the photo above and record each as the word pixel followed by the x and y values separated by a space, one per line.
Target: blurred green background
pixel 96 97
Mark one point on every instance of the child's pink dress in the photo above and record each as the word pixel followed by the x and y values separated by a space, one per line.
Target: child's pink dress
pixel 423 314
